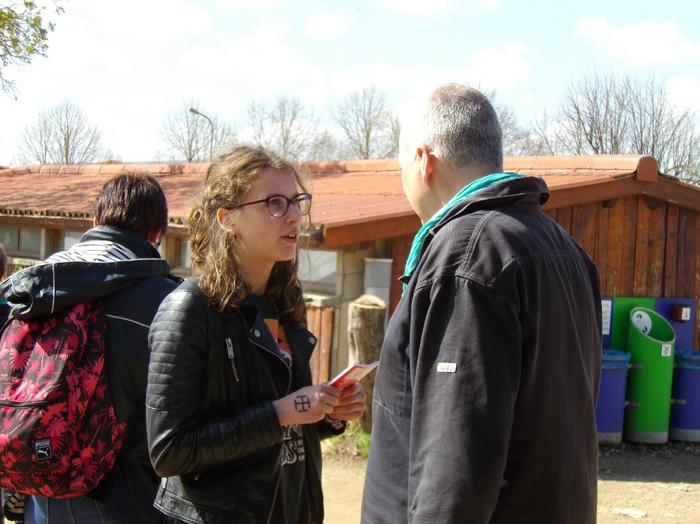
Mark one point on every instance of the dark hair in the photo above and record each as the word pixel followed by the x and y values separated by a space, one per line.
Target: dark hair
pixel 134 202
pixel 3 262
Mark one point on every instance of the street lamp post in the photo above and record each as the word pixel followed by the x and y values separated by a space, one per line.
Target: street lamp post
pixel 211 130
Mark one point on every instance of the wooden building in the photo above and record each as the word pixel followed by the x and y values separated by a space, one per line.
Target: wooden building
pixel 641 227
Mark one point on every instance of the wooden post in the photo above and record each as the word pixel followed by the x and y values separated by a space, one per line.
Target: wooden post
pixel 365 334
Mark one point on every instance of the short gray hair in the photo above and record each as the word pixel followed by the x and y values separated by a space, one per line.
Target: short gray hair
pixel 461 127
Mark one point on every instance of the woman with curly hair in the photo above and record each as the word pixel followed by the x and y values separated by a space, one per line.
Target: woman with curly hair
pixel 234 424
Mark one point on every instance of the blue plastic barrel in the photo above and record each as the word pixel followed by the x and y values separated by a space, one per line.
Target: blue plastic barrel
pixel 610 411
pixel 685 408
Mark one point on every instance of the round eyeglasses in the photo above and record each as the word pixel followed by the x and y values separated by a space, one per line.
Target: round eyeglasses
pixel 278 205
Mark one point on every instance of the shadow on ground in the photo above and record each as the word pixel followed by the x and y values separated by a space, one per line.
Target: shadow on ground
pixel 672 462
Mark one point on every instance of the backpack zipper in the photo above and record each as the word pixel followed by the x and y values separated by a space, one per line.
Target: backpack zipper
pixel 25 404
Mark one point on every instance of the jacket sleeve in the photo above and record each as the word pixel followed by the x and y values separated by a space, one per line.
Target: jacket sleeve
pixel 179 441
pixel 328 427
pixel 465 368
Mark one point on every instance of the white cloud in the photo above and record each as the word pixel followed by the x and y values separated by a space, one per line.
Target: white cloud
pixel 323 23
pixel 119 68
pixel 249 4
pixel 257 65
pixel 436 7
pixel 503 68
pixel 644 44
pixel 684 91
pixel 127 73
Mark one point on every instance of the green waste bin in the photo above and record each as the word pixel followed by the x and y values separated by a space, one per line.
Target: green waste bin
pixel 651 341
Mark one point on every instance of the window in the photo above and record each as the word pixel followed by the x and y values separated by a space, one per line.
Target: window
pixel 317 270
pixel 21 242
pixel 67 239
pixel 9 238
pixel 184 254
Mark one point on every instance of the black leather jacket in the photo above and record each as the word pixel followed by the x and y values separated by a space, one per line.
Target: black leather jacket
pixel 213 432
pixel 4 313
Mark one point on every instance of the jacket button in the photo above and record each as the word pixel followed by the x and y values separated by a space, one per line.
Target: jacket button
pixel 256 333
pixel 312 340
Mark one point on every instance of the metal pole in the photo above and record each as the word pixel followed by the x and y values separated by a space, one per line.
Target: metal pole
pixel 211 129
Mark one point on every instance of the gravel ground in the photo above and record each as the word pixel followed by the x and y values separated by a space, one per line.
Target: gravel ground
pixel 637 483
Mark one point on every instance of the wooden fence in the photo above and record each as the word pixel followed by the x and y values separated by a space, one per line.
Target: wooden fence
pixel 320 323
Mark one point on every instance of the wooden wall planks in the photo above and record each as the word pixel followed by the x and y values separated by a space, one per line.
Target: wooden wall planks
pixel 643 247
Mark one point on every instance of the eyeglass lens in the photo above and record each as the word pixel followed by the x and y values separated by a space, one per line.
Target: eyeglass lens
pixel 279 205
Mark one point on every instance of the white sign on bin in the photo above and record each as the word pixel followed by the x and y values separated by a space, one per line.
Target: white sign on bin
pixel 666 350
pixel 606 307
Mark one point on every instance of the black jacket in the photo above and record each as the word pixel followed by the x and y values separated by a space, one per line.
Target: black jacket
pixel 130 291
pixel 4 313
pixel 212 432
pixel 485 395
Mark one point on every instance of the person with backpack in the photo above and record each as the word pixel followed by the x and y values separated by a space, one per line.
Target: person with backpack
pixel 4 307
pixel 234 424
pixel 12 505
pixel 81 319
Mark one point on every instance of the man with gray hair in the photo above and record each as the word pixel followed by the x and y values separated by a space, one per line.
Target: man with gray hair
pixel 484 400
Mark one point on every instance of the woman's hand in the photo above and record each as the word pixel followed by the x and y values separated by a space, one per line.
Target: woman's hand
pixel 351 404
pixel 307 405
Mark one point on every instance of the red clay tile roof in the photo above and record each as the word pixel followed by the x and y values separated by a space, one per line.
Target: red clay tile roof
pixel 354 201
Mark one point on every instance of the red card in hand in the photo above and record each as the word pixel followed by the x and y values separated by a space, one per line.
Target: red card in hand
pixel 351 374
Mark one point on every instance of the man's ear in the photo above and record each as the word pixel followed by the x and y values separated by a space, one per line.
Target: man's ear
pixel 94 222
pixel 427 165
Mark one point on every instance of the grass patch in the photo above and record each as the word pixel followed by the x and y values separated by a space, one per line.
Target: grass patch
pixel 353 442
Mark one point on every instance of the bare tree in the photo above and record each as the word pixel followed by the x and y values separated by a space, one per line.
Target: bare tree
pixel 36 140
pixel 620 115
pixel 368 123
pixel 62 135
pixel 593 116
pixel 191 137
pixel 283 125
pixel 670 135
pixel 516 139
pixel 542 137
pixel 259 122
pixel 394 137
pixel 323 146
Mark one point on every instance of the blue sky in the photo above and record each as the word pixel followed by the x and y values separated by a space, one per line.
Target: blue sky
pixel 128 64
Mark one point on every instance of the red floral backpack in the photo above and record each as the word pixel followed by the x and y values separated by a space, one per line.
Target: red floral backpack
pixel 59 433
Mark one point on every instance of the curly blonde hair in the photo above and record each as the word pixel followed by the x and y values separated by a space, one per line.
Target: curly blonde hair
pixel 228 178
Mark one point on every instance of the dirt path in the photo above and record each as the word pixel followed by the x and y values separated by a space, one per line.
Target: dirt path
pixel 636 484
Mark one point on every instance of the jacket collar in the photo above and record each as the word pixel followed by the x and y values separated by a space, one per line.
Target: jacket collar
pixel 301 340
pixel 139 246
pixel 45 288
pixel 528 191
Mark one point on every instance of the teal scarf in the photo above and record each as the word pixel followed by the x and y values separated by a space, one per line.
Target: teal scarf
pixel 468 190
